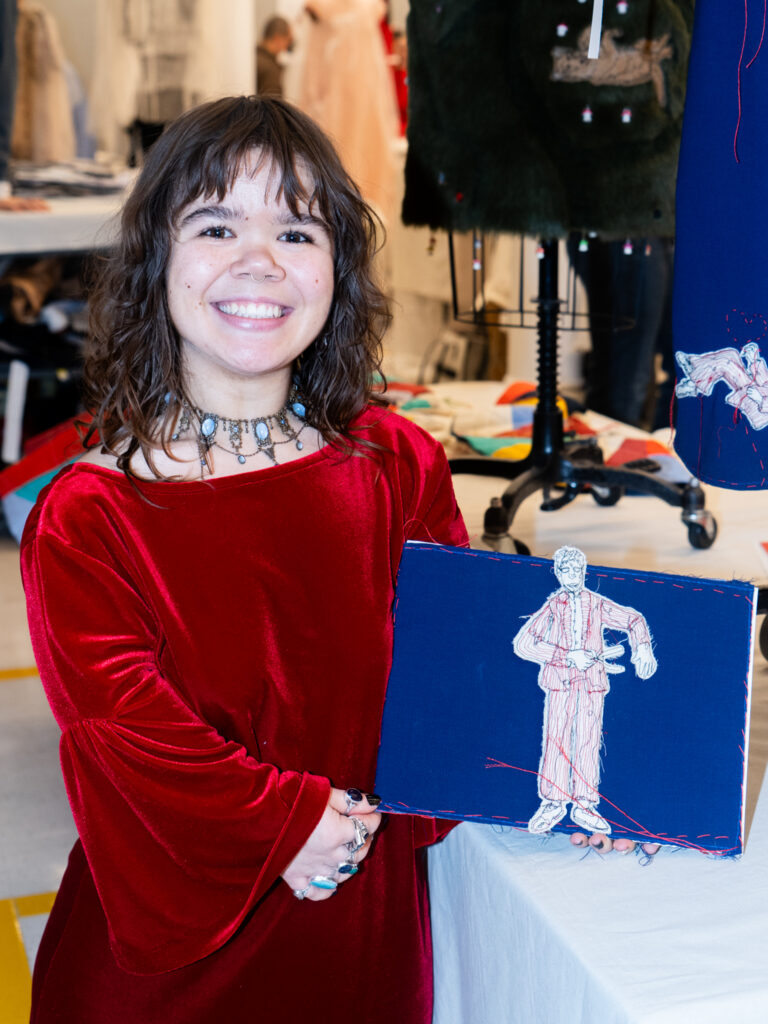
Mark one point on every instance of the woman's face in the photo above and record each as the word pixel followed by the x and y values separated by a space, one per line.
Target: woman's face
pixel 249 286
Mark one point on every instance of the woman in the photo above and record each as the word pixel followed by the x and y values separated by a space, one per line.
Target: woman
pixel 210 600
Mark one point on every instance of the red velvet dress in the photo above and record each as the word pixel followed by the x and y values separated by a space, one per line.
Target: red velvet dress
pixel 216 654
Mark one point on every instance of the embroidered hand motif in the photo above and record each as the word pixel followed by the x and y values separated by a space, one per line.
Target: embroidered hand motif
pixel 616 65
pixel 743 371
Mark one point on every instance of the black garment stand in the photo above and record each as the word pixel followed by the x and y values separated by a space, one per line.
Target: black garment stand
pixel 563 470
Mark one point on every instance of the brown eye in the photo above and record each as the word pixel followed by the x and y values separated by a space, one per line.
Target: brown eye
pixel 217 231
pixel 294 236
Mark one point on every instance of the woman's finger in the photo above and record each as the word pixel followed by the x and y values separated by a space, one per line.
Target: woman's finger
pixel 623 845
pixel 353 801
pixel 601 842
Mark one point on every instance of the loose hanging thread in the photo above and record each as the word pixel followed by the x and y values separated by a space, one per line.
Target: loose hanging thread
pixel 749 65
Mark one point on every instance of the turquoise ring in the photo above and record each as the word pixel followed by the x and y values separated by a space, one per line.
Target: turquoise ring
pixel 323 882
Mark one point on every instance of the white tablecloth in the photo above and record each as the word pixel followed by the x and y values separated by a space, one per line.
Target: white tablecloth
pixel 531 930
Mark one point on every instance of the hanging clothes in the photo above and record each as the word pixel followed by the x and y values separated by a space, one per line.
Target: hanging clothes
pixel 43 127
pixel 513 128
pixel 347 88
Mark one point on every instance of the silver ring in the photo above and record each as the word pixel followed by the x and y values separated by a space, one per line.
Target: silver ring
pixel 258 280
pixel 324 882
pixel 300 893
pixel 352 797
pixel 361 836
pixel 348 867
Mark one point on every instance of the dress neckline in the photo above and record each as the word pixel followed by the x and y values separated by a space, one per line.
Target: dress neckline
pixel 265 473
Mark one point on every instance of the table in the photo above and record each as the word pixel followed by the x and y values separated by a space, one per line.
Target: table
pixel 75 224
pixel 530 930
pixel 72 224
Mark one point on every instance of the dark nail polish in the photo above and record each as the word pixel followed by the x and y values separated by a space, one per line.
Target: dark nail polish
pixel 372 799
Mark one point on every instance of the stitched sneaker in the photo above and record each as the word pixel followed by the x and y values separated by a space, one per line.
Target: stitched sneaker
pixel 588 818
pixel 548 814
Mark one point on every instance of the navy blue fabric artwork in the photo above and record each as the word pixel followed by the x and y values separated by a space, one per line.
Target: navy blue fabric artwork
pixel 470 726
pixel 720 302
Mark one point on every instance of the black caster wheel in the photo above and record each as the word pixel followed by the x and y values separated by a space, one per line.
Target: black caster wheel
pixel 606 495
pixel 763 638
pixel 702 533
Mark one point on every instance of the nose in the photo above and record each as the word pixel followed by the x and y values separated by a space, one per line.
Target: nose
pixel 258 263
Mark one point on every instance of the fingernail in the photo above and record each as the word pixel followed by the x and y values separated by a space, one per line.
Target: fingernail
pixel 372 799
pixel 601 843
pixel 578 839
pixel 624 846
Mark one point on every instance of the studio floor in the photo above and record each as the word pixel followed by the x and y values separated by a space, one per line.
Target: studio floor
pixel 37 830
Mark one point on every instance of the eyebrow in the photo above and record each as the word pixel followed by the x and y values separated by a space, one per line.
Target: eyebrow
pixel 222 212
pixel 236 213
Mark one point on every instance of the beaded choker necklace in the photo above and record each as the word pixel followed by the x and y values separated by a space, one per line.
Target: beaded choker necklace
pixel 260 429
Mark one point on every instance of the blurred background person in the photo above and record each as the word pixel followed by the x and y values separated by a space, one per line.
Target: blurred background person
pixel 276 38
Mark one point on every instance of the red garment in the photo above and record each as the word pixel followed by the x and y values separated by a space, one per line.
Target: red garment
pixel 215 652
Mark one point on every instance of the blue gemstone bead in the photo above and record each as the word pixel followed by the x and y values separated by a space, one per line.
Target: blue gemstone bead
pixel 208 427
pixel 299 410
pixel 262 431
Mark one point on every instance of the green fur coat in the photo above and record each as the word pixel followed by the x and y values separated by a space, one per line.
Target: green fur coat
pixel 512 127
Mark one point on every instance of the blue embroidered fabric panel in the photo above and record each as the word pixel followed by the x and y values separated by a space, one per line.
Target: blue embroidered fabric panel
pixel 604 700
pixel 720 308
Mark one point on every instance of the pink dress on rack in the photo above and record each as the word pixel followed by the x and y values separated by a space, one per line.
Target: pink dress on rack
pixel 347 87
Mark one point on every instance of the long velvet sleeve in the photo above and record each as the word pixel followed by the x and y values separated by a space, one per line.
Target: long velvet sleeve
pixel 183 830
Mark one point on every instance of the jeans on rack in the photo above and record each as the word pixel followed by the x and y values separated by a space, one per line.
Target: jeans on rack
pixel 629 290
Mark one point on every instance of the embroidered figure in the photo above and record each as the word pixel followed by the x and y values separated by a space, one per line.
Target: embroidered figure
pixel 616 65
pixel 744 371
pixel 565 637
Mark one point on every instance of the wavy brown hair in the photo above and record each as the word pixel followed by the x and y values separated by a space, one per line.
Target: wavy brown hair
pixel 133 356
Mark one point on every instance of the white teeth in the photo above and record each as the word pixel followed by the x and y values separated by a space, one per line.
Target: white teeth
pixel 252 310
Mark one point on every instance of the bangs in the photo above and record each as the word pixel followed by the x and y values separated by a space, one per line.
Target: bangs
pixel 245 147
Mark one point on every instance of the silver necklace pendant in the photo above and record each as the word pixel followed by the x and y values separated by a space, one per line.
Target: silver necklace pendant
pixel 261 429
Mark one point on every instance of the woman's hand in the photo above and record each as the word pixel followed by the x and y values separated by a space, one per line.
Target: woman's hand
pixel 604 844
pixel 336 843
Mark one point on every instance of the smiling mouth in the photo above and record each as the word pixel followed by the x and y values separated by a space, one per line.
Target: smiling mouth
pixel 252 310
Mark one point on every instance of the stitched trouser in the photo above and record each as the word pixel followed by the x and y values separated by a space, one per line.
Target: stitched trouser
pixel 570 758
